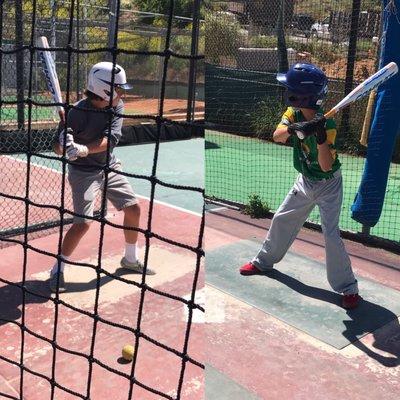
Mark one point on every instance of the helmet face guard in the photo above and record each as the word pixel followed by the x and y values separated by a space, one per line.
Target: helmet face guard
pixel 304 101
pixel 306 86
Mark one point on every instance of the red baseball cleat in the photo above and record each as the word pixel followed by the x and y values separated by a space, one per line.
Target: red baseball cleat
pixel 250 269
pixel 350 301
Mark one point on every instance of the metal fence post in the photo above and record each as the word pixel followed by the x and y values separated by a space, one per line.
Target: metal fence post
pixel 351 57
pixel 111 26
pixel 77 45
pixel 53 18
pixel 283 63
pixel 19 42
pixel 1 57
pixel 193 52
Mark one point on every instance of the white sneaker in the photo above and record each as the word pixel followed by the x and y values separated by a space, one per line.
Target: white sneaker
pixel 135 266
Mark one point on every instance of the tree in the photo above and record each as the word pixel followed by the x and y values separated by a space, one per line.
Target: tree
pixel 183 8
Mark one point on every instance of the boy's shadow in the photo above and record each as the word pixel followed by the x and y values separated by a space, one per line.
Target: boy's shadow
pixel 11 294
pixel 366 318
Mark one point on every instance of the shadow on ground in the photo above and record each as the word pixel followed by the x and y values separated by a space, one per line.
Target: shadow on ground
pixel 38 292
pixel 359 322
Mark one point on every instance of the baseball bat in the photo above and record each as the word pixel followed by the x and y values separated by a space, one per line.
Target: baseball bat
pixel 367 120
pixel 365 87
pixel 50 73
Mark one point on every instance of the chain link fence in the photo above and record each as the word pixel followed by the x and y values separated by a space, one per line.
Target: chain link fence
pixel 93 24
pixel 247 43
pixel 266 37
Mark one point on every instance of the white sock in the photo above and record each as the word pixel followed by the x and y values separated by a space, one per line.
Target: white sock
pixel 130 252
pixel 62 265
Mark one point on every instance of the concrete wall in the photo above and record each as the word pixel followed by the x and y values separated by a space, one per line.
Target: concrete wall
pixel 260 59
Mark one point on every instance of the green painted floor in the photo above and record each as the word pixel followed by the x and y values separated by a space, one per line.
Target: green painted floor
pixel 238 166
pixel 297 293
pixel 221 387
pixel 179 163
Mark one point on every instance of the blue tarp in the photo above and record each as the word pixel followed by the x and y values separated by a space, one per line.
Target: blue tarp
pixel 368 204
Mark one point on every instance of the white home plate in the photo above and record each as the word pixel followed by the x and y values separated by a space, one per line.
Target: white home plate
pixel 215 307
pixel 198 315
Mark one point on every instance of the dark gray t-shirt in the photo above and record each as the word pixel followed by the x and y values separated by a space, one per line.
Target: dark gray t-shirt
pixel 89 126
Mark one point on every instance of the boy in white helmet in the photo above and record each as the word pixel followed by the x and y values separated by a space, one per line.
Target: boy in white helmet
pixel 87 140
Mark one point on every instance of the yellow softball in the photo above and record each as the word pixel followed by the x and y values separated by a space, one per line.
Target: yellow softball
pixel 127 352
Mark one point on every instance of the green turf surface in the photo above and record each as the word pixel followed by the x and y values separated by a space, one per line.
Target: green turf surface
pixel 180 163
pixel 220 386
pixel 238 166
pixel 297 292
pixel 9 112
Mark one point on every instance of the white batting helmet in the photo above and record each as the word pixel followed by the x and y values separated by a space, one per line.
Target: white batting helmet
pixel 100 77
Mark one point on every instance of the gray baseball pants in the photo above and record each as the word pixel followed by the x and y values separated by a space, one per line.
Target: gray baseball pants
pixel 305 194
pixel 85 185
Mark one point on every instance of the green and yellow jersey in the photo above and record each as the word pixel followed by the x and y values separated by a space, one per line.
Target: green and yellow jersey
pixel 305 152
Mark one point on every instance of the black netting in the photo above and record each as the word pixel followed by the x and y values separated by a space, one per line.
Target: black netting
pixel 163 49
pixel 142 37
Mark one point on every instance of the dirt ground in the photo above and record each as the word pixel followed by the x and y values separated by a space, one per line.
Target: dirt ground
pixel 174 109
pixel 337 69
pixel 363 69
pixel 171 108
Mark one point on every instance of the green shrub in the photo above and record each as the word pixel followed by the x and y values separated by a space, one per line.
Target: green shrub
pixel 265 117
pixel 181 7
pixel 132 41
pixel 321 51
pixel 223 36
pixel 256 207
pixel 263 41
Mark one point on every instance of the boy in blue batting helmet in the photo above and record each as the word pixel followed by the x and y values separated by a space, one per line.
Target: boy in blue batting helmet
pixel 319 182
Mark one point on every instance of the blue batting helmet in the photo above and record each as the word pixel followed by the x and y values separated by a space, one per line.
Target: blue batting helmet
pixel 306 86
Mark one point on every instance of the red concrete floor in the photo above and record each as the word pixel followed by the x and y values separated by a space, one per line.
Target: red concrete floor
pixel 163 319
pixel 273 360
pixel 262 354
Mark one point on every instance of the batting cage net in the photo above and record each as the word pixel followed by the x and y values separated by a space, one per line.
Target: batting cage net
pixel 247 43
pixel 142 37
pixel 161 48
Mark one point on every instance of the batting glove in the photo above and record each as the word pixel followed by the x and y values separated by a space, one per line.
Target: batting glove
pixel 66 137
pixel 76 150
pixel 307 128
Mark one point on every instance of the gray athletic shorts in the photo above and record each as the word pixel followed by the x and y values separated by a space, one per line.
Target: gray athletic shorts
pixel 85 186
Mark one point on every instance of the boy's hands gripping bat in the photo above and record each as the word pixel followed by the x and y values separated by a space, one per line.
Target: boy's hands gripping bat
pixel 365 87
pixel 74 150
pixel 50 73
pixel 307 128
